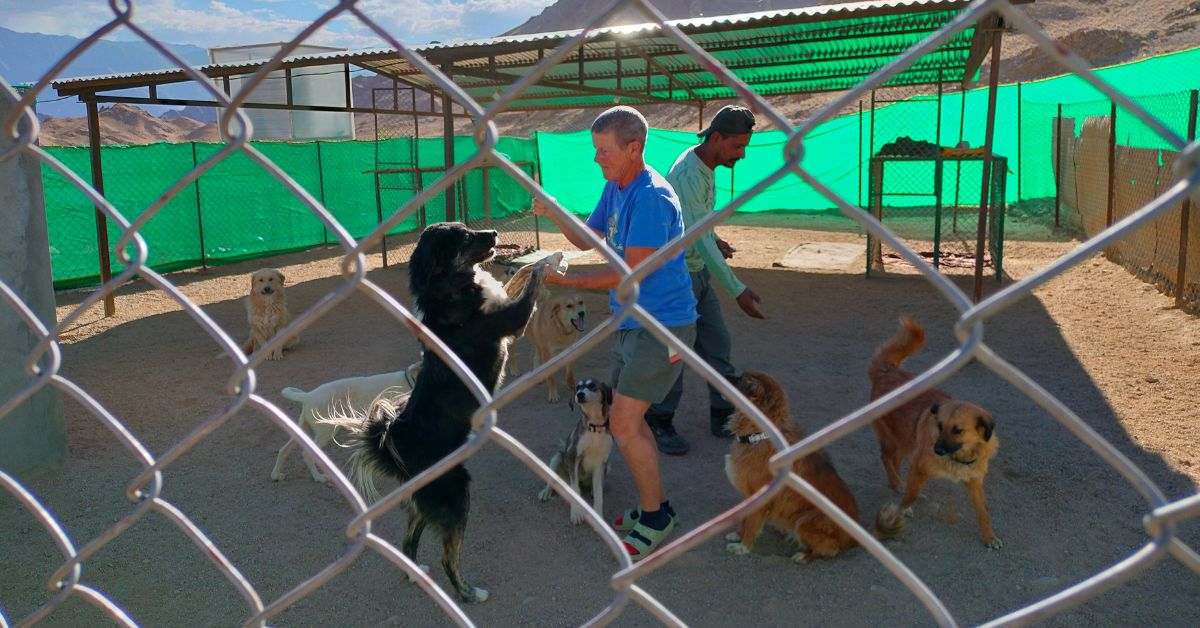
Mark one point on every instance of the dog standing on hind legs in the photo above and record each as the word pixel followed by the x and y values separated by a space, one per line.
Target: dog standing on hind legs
pixel 582 459
pixel 402 436
pixel 947 438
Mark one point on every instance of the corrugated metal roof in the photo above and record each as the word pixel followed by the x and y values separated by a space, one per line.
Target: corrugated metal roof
pixel 820 48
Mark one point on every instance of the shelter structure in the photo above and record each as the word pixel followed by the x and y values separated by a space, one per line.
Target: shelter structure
pixel 797 51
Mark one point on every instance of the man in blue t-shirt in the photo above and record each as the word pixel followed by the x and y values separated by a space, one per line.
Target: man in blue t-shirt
pixel 638 213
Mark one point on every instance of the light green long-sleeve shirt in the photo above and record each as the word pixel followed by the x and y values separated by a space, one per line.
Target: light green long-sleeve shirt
pixel 696 188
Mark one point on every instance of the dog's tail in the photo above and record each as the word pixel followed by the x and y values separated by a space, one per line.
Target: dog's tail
pixel 907 341
pixel 889 523
pixel 372 453
pixel 295 394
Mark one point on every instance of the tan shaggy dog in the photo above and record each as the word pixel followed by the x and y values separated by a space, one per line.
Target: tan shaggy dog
pixel 267 312
pixel 947 438
pixel 555 325
pixel 748 470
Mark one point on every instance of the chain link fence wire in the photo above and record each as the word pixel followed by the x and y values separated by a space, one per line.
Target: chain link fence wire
pixel 1142 167
pixel 136 220
pixel 236 211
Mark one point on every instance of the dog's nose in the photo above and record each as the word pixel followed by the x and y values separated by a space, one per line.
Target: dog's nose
pixel 267 290
pixel 580 397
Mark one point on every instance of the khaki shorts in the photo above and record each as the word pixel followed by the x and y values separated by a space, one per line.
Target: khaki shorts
pixel 640 367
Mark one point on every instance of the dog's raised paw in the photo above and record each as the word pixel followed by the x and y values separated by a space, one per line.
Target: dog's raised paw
pixel 737 548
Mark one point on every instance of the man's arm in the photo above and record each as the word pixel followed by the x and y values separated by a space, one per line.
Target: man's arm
pixel 542 209
pixel 603 279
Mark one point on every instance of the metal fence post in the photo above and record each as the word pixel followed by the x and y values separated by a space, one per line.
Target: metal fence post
pixel 199 213
pixel 1058 133
pixel 1019 142
pixel 1112 159
pixel 93 120
pixel 1181 269
pixel 321 190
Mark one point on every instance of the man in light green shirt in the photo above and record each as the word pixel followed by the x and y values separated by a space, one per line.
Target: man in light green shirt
pixel 692 177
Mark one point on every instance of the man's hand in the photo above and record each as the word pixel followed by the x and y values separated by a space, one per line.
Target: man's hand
pixel 725 248
pixel 749 302
pixel 542 209
pixel 553 276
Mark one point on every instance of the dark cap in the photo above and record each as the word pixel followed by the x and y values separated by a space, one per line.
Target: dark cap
pixel 731 120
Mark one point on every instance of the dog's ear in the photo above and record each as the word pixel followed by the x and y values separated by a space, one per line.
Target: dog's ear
pixel 282 278
pixel 606 394
pixel 986 424
pixel 421 266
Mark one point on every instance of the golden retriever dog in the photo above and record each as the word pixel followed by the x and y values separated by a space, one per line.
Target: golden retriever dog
pixel 747 468
pixel 267 312
pixel 947 438
pixel 555 325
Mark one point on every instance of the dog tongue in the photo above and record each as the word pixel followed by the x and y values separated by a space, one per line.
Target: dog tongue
pixel 577 322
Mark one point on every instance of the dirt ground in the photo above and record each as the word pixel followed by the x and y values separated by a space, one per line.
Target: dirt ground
pixel 1111 347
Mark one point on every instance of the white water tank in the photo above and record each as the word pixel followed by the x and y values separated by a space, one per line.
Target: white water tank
pixel 311 85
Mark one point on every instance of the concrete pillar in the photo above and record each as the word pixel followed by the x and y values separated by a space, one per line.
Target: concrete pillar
pixel 33 436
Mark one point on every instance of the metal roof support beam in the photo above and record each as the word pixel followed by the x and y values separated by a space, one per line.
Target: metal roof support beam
pixel 137 100
pixel 671 78
pixel 508 79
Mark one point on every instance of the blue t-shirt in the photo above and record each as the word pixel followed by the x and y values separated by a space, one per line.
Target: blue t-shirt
pixel 646 213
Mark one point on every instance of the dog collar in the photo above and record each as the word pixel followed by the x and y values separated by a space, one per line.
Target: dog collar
pixel 753 438
pixel 592 427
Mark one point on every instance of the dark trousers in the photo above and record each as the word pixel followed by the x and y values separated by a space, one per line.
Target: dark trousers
pixel 712 343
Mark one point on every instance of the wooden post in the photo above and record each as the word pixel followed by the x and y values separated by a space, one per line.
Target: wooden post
pixel 93 120
pixel 981 234
pixel 1181 271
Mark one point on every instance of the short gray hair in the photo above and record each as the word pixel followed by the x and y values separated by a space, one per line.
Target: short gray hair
pixel 625 122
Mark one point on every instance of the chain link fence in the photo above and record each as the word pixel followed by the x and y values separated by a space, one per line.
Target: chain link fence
pixel 1106 172
pixel 237 211
pixel 146 489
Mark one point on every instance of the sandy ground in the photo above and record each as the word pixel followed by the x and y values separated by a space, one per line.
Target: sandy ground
pixel 1108 345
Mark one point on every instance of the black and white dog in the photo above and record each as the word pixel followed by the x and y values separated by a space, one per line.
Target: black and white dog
pixel 583 458
pixel 402 436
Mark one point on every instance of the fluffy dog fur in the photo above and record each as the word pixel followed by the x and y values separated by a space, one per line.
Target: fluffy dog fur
pixel 947 438
pixel 747 468
pixel 582 459
pixel 402 436
pixel 556 324
pixel 267 312
pixel 348 396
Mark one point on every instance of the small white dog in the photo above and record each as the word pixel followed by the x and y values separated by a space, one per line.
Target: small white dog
pixel 583 458
pixel 342 396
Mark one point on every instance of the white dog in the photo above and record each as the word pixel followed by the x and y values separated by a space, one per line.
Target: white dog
pixel 342 396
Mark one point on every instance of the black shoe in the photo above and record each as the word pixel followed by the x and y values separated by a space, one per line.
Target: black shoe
pixel 718 421
pixel 665 437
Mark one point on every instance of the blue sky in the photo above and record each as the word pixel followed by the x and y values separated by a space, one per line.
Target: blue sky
pixel 209 23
